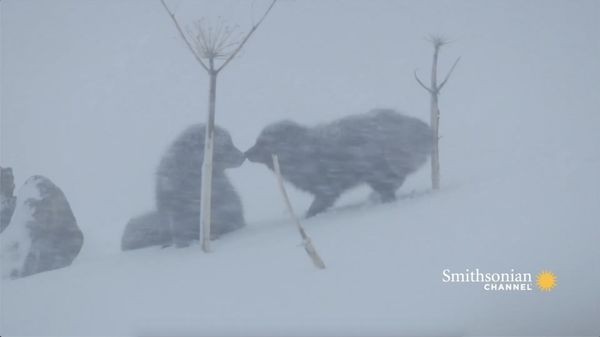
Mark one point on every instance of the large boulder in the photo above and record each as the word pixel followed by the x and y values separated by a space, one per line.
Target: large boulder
pixel 7 198
pixel 42 234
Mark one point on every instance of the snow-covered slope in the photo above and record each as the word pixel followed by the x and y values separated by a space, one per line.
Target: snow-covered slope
pixel 383 273
pixel 93 92
pixel 16 241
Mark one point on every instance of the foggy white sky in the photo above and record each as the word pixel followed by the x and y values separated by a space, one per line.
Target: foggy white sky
pixel 93 92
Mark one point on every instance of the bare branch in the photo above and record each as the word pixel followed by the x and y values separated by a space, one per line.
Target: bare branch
pixel 241 45
pixel 437 40
pixel 183 36
pixel 214 41
pixel 448 76
pixel 421 83
pixel 306 242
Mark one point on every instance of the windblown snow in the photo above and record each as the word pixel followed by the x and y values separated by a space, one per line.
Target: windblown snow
pixel 93 92
pixel 15 240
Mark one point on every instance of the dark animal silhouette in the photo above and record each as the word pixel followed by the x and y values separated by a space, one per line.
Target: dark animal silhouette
pixel 379 148
pixel 178 191
pixel 144 231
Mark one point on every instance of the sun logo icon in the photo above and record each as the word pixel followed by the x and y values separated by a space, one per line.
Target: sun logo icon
pixel 546 280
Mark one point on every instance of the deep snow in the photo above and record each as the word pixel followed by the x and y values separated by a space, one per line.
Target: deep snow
pixel 15 241
pixel 93 92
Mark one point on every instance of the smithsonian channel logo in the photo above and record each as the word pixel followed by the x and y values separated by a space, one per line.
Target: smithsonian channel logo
pixel 504 281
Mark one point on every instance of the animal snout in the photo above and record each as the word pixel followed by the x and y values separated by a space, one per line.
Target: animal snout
pixel 240 158
pixel 232 160
pixel 251 154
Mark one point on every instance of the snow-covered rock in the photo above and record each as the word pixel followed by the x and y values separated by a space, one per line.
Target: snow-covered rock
pixel 42 234
pixel 7 199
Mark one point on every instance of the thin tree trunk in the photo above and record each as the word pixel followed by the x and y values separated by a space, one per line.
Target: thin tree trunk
pixel 207 166
pixel 435 119
pixel 435 154
pixel 434 91
pixel 208 44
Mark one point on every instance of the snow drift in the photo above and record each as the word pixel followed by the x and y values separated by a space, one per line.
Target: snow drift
pixel 93 92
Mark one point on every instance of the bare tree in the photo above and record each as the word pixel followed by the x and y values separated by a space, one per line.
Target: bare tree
pixel 434 90
pixel 306 241
pixel 210 44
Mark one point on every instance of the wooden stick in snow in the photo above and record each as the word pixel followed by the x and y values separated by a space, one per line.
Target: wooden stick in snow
pixel 306 242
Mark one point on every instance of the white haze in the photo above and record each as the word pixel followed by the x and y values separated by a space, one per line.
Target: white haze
pixel 94 91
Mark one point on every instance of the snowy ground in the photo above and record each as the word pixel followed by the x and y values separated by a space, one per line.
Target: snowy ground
pixel 92 93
